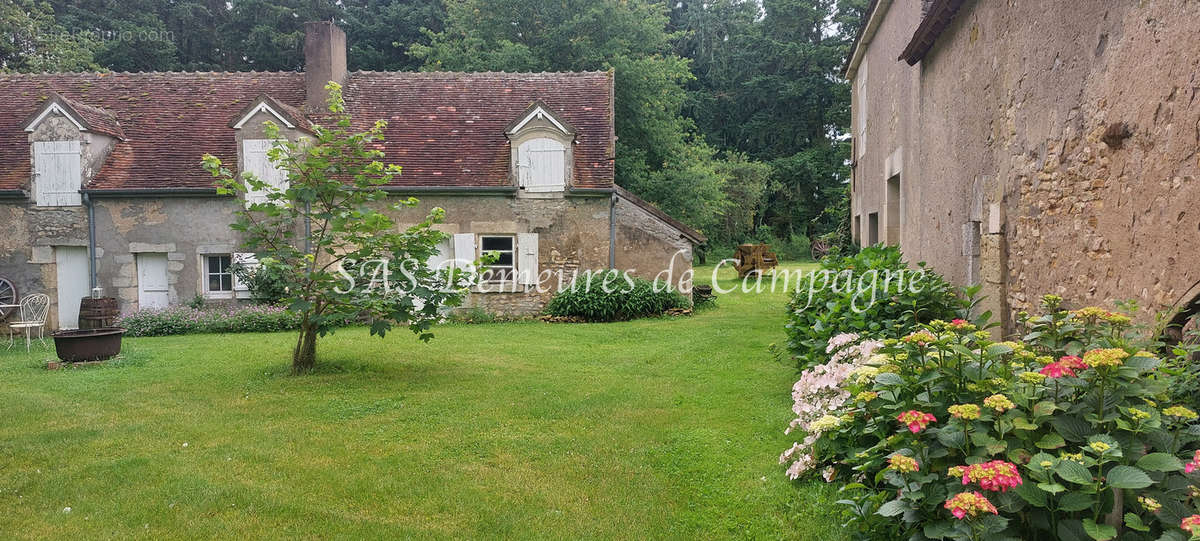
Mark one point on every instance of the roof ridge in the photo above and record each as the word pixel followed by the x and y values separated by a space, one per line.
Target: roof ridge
pixel 461 73
pixel 147 73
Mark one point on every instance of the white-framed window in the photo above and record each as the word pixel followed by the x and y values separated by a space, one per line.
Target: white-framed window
pixel 542 165
pixel 256 161
pixel 505 267
pixel 57 176
pixel 218 274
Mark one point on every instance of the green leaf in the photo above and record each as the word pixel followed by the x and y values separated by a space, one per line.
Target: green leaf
pixel 1072 428
pixel 1053 488
pixel 1160 462
pixel 1135 522
pixel 1051 441
pixel 952 438
pixel 939 530
pixel 1021 423
pixel 1099 532
pixel 1128 477
pixel 1032 495
pixel 892 508
pixel 888 379
pixel 1143 364
pixel 1044 408
pixel 1074 472
pixel 1076 501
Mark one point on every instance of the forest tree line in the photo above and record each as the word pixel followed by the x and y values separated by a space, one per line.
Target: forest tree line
pixel 730 114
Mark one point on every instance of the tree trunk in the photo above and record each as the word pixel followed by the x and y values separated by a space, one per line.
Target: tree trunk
pixel 305 354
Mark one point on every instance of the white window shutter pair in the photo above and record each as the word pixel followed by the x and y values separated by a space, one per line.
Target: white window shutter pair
pixel 542 165
pixel 527 255
pixel 257 162
pixel 248 260
pixel 58 175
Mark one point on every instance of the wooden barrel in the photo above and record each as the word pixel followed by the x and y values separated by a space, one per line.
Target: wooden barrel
pixel 97 313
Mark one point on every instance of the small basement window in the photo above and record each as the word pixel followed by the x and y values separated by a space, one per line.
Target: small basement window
pixel 218 274
pixel 504 268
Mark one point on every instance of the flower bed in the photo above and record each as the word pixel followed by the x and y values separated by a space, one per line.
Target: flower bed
pixel 186 320
pixel 947 434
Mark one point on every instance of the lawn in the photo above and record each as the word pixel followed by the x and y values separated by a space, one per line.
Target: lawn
pixel 660 428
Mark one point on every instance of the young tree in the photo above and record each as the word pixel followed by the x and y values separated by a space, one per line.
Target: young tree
pixel 326 236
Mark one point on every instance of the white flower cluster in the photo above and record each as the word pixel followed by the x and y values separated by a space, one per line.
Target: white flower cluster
pixel 819 393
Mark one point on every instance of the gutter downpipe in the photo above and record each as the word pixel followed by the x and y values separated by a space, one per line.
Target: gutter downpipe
pixel 91 214
pixel 612 231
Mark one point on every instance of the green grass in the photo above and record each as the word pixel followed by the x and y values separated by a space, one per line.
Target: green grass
pixel 660 428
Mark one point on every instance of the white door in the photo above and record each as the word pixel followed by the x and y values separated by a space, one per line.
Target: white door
pixel 73 283
pixel 152 280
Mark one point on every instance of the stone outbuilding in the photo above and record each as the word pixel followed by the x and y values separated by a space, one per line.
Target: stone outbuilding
pixel 101 184
pixel 1033 147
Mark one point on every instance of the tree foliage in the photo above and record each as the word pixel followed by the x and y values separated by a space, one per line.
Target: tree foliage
pixel 35 42
pixel 660 155
pixel 327 237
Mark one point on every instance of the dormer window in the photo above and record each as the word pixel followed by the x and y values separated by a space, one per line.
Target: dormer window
pixel 256 162
pixel 250 126
pixel 541 150
pixel 542 165
pixel 56 173
pixel 57 131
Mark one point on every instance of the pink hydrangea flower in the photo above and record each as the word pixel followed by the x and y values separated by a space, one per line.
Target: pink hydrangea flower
pixel 916 421
pixel 996 476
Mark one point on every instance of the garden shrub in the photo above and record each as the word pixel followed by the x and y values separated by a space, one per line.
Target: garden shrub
pixel 835 299
pixel 624 297
pixel 947 434
pixel 187 320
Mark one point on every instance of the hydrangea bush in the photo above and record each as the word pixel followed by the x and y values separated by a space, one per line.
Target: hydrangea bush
pixel 839 301
pixel 944 433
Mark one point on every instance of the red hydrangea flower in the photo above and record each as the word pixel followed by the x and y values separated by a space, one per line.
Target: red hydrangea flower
pixel 916 421
pixel 1056 370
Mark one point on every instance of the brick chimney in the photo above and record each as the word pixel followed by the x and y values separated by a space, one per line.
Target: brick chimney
pixel 324 61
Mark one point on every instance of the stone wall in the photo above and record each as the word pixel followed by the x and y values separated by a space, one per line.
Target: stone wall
pixel 1015 102
pixel 647 246
pixel 573 235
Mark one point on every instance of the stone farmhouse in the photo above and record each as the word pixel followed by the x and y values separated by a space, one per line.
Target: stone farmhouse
pixel 101 184
pixel 1047 147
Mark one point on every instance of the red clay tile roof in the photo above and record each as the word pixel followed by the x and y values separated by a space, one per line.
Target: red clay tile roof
pixel 445 129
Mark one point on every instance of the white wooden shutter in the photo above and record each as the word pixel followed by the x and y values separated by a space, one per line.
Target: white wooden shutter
pixel 527 258
pixel 248 260
pixel 445 253
pixel 57 175
pixel 543 165
pixel 256 161
pixel 464 250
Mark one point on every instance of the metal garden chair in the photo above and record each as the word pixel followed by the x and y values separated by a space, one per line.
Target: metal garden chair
pixel 33 316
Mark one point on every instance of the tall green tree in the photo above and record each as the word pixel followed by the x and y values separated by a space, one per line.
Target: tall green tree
pixel 768 84
pixel 381 31
pixel 35 42
pixel 660 155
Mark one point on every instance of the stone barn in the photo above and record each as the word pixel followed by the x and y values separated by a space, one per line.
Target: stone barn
pixel 1034 147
